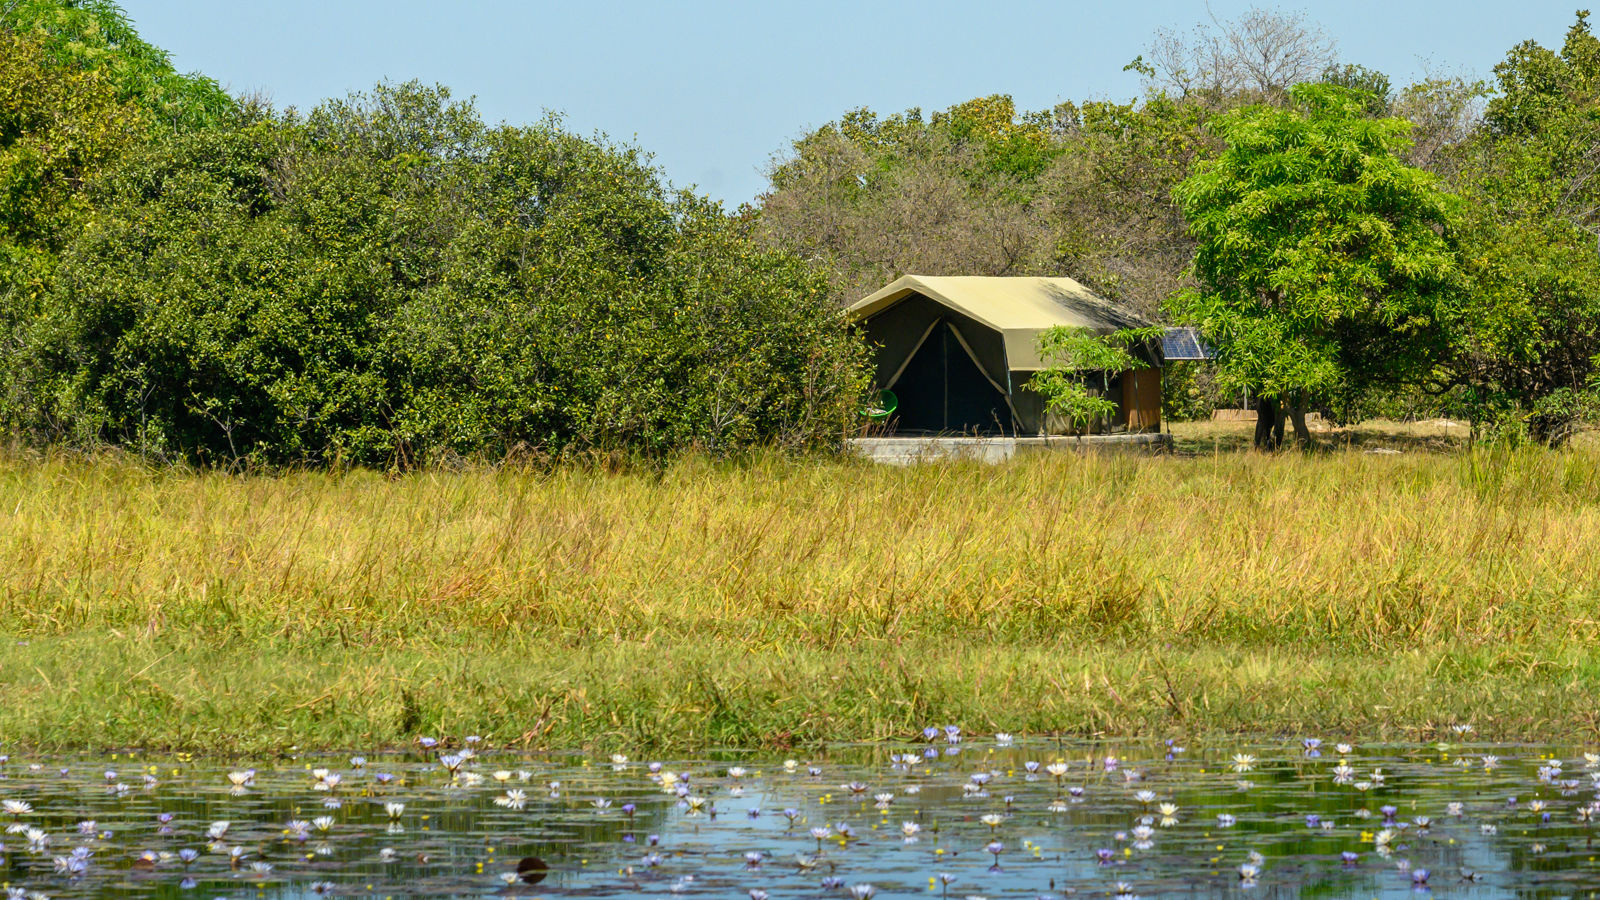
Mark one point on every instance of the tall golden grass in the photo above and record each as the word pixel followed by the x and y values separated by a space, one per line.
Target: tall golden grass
pixel 547 591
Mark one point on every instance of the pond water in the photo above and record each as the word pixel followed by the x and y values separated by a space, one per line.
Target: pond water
pixel 977 817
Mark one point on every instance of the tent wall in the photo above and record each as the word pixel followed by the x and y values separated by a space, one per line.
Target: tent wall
pixel 942 390
pixel 898 330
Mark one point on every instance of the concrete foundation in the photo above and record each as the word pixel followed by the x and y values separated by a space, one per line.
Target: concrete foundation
pixel 904 451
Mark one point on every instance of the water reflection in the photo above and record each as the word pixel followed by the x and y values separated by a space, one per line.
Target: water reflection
pixel 933 818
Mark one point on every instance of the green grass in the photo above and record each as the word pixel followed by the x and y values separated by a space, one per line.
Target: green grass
pixel 777 602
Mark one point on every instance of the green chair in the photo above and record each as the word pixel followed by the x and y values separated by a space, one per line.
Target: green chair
pixel 882 407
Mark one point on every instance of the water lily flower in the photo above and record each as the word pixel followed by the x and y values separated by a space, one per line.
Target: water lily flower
pixel 994 848
pixel 514 798
pixel 992 820
pixel 862 891
pixel 1243 762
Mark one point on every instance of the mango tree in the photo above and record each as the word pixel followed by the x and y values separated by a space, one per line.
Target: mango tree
pixel 1324 265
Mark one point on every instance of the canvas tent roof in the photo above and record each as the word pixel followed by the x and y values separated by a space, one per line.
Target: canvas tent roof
pixel 1018 308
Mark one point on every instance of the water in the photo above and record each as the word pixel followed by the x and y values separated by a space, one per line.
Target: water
pixel 453 839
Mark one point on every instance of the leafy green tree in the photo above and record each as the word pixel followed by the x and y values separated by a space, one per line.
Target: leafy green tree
pixel 59 128
pixel 78 88
pixel 1369 82
pixel 97 36
pixel 1323 265
pixel 389 281
pixel 1527 360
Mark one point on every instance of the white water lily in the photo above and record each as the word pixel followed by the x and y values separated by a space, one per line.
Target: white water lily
pixel 515 798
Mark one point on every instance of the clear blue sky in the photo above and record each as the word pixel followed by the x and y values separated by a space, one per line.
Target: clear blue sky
pixel 714 89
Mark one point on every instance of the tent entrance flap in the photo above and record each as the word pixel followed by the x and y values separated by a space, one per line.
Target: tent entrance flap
pixel 942 388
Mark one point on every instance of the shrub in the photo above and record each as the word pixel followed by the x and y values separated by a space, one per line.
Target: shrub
pixel 388 279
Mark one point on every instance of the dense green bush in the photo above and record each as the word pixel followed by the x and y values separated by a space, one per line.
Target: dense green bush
pixel 387 280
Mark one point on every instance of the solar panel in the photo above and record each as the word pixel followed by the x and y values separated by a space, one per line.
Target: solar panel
pixel 1184 344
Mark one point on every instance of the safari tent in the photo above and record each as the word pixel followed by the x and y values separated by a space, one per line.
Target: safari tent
pixel 957 353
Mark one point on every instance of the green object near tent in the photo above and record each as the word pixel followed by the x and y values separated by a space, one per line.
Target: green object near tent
pixel 883 407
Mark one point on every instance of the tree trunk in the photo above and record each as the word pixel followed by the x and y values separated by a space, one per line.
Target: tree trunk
pixel 1269 423
pixel 1297 414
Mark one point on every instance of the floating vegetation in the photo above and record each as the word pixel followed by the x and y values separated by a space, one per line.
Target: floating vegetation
pixel 943 815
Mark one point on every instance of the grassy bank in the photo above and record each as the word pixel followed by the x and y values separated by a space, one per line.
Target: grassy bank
pixel 792 601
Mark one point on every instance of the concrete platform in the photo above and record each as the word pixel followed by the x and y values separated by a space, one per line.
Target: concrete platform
pixel 904 451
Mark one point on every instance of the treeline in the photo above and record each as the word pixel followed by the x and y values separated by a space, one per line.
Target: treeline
pixel 1089 190
pixel 388 280
pixel 385 280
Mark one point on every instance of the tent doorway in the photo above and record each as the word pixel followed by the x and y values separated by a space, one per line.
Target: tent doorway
pixel 942 389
